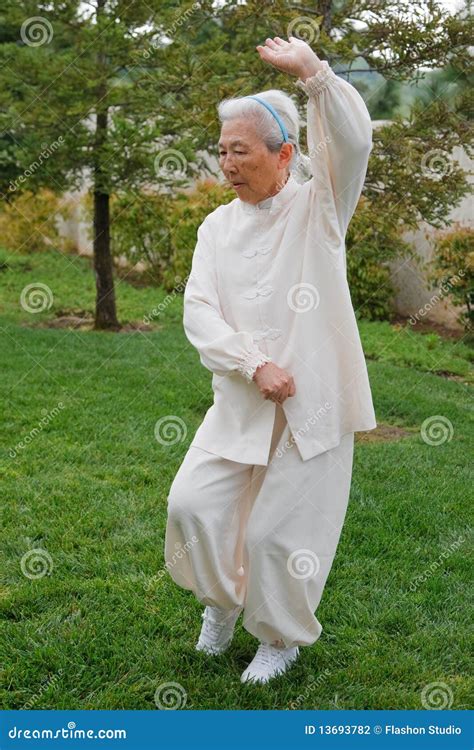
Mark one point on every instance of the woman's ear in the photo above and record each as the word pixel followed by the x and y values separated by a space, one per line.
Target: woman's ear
pixel 286 154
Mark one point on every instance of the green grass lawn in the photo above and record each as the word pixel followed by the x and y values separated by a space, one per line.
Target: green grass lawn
pixel 89 486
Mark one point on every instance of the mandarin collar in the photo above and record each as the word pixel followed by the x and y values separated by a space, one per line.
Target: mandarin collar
pixel 277 201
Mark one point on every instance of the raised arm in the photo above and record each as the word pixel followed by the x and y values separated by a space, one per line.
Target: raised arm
pixel 339 128
pixel 339 132
pixel 221 349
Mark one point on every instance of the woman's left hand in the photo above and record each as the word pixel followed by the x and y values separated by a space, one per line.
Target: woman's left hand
pixel 294 57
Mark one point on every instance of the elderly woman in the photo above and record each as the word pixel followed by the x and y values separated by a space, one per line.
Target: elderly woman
pixel 257 506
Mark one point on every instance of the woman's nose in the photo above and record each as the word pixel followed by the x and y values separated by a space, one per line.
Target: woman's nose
pixel 227 163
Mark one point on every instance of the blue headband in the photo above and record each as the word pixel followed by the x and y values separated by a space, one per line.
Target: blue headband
pixel 275 114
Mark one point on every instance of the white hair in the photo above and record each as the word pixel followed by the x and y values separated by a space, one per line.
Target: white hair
pixel 267 126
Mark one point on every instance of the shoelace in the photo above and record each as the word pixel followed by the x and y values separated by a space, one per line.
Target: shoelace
pixel 212 626
pixel 266 655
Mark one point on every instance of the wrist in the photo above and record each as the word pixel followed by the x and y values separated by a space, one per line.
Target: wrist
pixel 259 367
pixel 310 69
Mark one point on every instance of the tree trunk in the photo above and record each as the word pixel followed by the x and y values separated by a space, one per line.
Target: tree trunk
pixel 325 10
pixel 105 308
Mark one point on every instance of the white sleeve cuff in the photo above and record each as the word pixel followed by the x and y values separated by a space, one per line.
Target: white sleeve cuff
pixel 321 80
pixel 250 362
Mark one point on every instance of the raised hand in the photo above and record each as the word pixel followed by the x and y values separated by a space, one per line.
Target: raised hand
pixel 294 57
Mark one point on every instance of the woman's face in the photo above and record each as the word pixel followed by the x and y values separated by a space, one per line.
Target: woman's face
pixel 254 172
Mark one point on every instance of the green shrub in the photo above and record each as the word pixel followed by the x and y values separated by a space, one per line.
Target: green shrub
pixel 188 211
pixel 160 229
pixel 140 230
pixel 370 244
pixel 28 222
pixel 452 269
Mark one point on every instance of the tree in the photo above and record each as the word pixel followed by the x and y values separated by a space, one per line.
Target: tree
pixel 132 89
pixel 77 73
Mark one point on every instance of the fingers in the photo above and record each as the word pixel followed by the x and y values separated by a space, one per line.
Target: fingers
pixel 292 388
pixel 272 44
pixel 283 392
pixel 266 54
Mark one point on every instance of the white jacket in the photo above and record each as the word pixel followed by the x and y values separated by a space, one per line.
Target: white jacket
pixel 268 282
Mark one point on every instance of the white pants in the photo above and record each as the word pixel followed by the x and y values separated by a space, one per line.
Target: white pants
pixel 262 537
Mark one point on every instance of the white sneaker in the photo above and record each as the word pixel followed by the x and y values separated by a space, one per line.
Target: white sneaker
pixel 217 629
pixel 268 662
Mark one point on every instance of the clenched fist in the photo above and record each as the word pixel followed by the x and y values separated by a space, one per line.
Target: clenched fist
pixel 274 382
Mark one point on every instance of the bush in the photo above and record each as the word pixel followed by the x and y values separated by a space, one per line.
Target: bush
pixel 160 229
pixel 188 211
pixel 452 269
pixel 370 244
pixel 28 223
pixel 140 230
